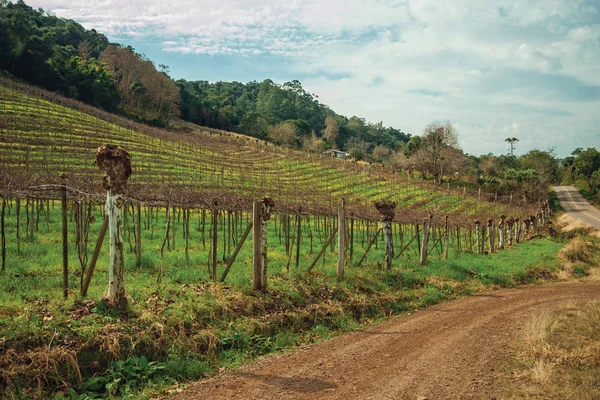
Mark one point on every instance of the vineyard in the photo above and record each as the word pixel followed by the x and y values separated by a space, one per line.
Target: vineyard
pixel 191 216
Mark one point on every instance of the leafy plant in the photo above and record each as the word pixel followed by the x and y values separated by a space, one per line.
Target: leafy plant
pixel 122 378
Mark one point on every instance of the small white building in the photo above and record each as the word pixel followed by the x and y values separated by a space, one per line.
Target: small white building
pixel 338 154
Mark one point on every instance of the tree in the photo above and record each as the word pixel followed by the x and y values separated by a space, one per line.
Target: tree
pixel 283 134
pixel 512 142
pixel 436 150
pixel 544 163
pixel 585 164
pixel 332 128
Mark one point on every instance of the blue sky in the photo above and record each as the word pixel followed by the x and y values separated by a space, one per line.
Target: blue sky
pixel 495 69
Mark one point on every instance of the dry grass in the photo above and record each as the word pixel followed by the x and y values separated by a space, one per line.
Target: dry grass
pixel 577 250
pixel 568 223
pixel 559 355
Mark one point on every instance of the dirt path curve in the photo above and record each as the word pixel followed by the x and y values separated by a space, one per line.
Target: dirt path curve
pixel 450 351
pixel 573 203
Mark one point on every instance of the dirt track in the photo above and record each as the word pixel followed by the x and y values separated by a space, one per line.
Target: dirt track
pixel 456 350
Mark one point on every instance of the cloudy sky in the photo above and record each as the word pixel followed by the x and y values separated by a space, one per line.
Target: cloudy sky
pixel 504 68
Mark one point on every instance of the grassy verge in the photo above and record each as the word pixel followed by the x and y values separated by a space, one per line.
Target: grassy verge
pixel 558 353
pixel 182 331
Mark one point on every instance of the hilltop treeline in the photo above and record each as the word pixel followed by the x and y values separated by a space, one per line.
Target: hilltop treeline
pixel 60 55
pixel 285 114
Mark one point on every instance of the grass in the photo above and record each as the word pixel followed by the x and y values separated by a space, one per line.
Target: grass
pixel 189 327
pixel 559 355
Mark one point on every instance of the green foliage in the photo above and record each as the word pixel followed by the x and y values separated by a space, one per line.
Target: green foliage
pixel 585 164
pixel 122 378
pixel 253 108
pixel 55 53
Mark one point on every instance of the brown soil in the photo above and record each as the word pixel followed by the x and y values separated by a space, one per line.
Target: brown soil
pixel 457 350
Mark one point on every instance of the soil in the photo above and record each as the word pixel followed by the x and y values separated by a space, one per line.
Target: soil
pixel 456 350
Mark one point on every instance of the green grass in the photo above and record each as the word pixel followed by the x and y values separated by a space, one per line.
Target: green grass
pixel 190 326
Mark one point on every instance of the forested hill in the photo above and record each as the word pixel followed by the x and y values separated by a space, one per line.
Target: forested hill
pixel 60 55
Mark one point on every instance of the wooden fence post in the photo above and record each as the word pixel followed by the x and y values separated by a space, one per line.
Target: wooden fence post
pixel 92 266
pixel 116 163
pixel 138 245
pixel 478 236
pixel 446 238
pixel 341 240
pixel 501 232
pixel 425 243
pixel 3 237
pixel 267 206
pixel 256 259
pixel 491 234
pixel 298 236
pixel 65 244
pixel 214 250
pixel 386 209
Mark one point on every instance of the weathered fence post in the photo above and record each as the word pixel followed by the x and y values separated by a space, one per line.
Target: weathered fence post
pixel 425 242
pixel 446 238
pixel 478 236
pixel 298 236
pixel 65 244
pixel 138 244
pixel 214 250
pixel 491 234
pixel 341 240
pixel 256 260
pixel 3 237
pixel 267 206
pixel 116 163
pixel 386 209
pixel 92 266
pixel 501 232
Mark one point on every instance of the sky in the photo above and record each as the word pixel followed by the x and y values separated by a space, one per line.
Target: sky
pixel 495 69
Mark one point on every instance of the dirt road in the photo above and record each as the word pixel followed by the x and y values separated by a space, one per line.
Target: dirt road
pixel 573 203
pixel 451 351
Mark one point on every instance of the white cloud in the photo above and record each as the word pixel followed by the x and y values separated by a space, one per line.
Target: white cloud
pixel 492 67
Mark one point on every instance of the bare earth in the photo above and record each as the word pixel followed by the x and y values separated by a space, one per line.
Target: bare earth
pixel 456 350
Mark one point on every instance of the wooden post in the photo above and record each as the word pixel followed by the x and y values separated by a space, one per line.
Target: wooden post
pixel 267 206
pixel 341 240
pixel 138 245
pixel 323 250
pixel 351 238
pixel 2 235
pixel 298 236
pixel 418 236
pixel 478 236
pixel 501 232
pixel 235 252
pixel 65 243
pixel 386 209
pixel 214 223
pixel 446 238
pixel 491 235
pixel 90 270
pixel 116 163
pixel 424 247
pixel 256 217
pixel 19 224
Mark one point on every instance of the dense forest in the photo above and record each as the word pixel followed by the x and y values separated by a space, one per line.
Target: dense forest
pixel 60 55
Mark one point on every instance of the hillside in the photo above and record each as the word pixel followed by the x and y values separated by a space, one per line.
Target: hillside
pixel 44 134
